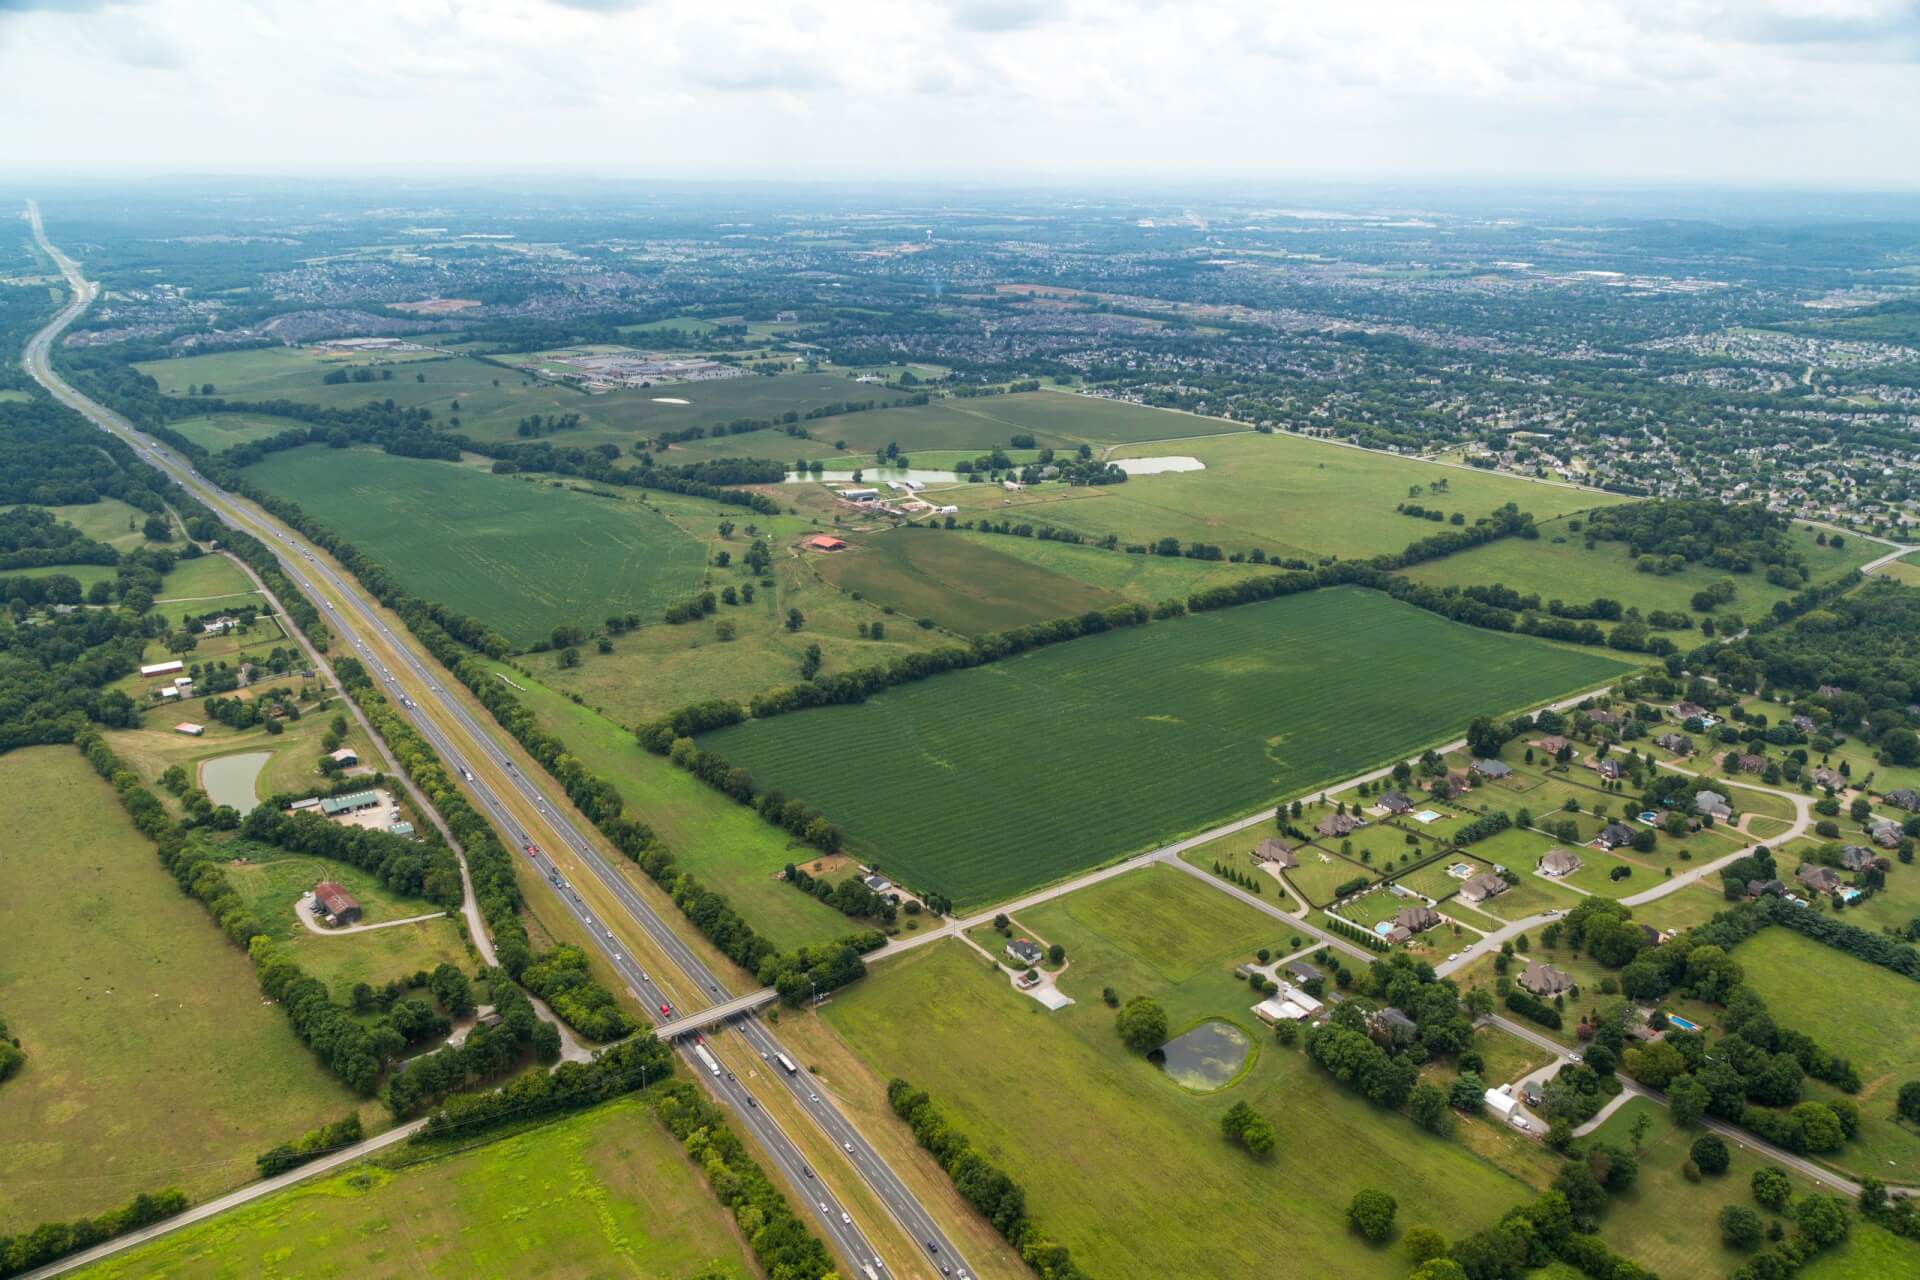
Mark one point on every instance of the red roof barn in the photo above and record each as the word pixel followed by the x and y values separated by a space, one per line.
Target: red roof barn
pixel 339 906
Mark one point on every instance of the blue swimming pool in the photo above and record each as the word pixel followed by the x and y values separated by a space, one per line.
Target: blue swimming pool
pixel 1685 1024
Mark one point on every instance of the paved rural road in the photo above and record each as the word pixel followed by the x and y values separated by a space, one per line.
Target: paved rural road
pixel 252 1191
pixel 483 756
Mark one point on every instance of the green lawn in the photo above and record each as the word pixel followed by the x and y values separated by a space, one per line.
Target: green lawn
pixel 1139 735
pixel 204 584
pixel 1122 1165
pixel 136 1013
pixel 379 956
pixel 607 1192
pixel 1858 1011
pixel 272 880
pixel 1566 570
pixel 518 554
pixel 1289 496
pixel 109 520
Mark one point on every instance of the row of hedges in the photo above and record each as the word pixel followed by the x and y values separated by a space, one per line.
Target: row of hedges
pixel 985 1186
pixel 52 1241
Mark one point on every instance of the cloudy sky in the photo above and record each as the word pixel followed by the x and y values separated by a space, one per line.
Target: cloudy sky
pixel 1813 91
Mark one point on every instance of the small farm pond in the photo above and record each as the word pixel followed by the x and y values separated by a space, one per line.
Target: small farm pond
pixel 1207 1057
pixel 229 779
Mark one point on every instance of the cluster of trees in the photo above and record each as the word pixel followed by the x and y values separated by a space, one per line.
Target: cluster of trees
pixel 850 897
pixel 12 1056
pixel 717 772
pixel 560 977
pixel 1557 1224
pixel 620 1068
pixel 1244 1125
pixel 423 868
pixel 998 1198
pixel 487 1053
pixel 1668 534
pixel 310 1145
pixel 31 538
pixel 1528 1006
pixel 51 1241
pixel 1487 824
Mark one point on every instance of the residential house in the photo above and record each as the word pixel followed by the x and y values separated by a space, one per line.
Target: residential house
pixel 1678 743
pixel 879 884
pixel 1545 980
pixel 1857 857
pixel 1598 715
pixel 1398 934
pixel 1493 770
pixel 1481 887
pixel 1453 784
pixel 1760 888
pixel 1278 852
pixel 1824 777
pixel 1884 831
pixel 1750 763
pixel 1804 724
pixel 1024 953
pixel 1817 878
pixel 1831 691
pixel 1688 711
pixel 1335 825
pixel 1300 971
pixel 1392 1025
pixel 1608 767
pixel 1394 802
pixel 1903 799
pixel 1713 804
pixel 1416 919
pixel 1552 745
pixel 1560 862
pixel 1616 835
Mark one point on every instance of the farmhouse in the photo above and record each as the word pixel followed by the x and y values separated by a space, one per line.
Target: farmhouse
pixel 1817 878
pixel 335 903
pixel 1339 824
pixel 1392 1025
pixel 1416 919
pixel 1559 862
pixel 1616 835
pixel 334 806
pixel 1394 802
pixel 1903 799
pixel 1481 887
pixel 344 757
pixel 1492 769
pixel 163 668
pixel 1713 804
pixel 189 728
pixel 1678 743
pixel 825 542
pixel 1278 852
pixel 1545 980
pixel 1024 952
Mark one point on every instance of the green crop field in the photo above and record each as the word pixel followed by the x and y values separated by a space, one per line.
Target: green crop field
pixel 1289 496
pixel 964 585
pixel 1858 1011
pixel 1120 1164
pixel 1566 570
pixel 151 1058
pixel 1054 419
pixel 607 1192
pixel 1143 579
pixel 520 555
pixel 1128 738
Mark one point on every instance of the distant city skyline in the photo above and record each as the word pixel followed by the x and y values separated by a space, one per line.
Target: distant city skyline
pixel 1795 92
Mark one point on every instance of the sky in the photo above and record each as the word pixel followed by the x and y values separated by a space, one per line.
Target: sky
pixel 1797 92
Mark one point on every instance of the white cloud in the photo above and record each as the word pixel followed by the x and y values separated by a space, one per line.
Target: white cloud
pixel 1021 89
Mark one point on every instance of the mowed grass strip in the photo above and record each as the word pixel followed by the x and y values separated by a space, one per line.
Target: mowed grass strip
pixel 607 1192
pixel 518 554
pixel 151 1058
pixel 986 782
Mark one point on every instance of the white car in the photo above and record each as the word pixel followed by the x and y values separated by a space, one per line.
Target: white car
pixel 848 1146
pixel 1454 956
pixel 1573 1057
pixel 845 1218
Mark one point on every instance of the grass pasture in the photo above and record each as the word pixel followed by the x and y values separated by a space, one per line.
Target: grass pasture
pixel 135 1012
pixel 519 554
pixel 1566 570
pixel 965 585
pixel 606 1192
pixel 1858 1011
pixel 217 432
pixel 1139 735
pixel 1290 496
pixel 1125 1167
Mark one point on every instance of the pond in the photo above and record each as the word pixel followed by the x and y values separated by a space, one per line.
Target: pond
pixel 1205 1058
pixel 229 779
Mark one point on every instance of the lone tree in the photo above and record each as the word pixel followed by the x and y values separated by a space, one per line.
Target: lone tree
pixel 1740 1227
pixel 1771 1188
pixel 1143 1024
pixel 1371 1214
pixel 1710 1153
